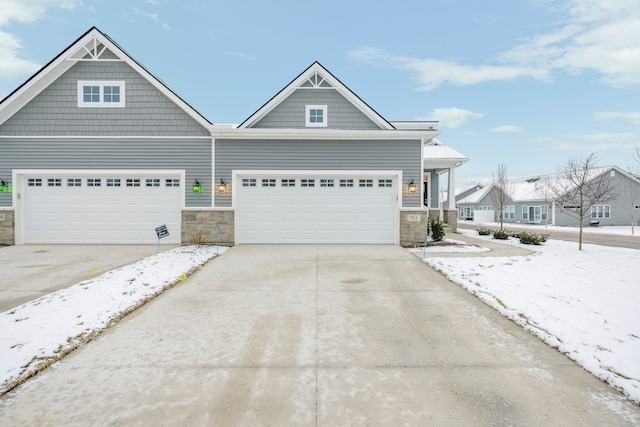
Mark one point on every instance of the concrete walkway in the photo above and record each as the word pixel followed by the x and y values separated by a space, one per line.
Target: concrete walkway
pixel 496 248
pixel 304 335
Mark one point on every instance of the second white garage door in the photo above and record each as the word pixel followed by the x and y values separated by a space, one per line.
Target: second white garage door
pixel 316 208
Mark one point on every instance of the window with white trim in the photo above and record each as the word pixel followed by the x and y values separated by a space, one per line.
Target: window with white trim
pixel 172 182
pixel 248 182
pixel 365 183
pixel 74 182
pixel 133 182
pixel 153 182
pixel 509 212
pixel 269 182
pixel 385 183
pixel 601 211
pixel 103 94
pixel 94 182
pixel 113 182
pixel 288 182
pixel 307 182
pixel 326 183
pixel 34 182
pixel 54 182
pixel 346 183
pixel 316 116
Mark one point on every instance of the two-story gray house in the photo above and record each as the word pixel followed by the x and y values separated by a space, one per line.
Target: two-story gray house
pixel 95 149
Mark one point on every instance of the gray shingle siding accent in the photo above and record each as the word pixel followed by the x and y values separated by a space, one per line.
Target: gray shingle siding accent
pixel 191 155
pixel 403 155
pixel 341 114
pixel 55 110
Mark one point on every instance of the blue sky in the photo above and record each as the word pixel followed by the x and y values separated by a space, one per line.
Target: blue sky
pixel 529 84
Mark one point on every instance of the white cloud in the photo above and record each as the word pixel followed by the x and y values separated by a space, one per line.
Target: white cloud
pixel 31 10
pixel 152 16
pixel 452 117
pixel 612 115
pixel 431 73
pixel 594 142
pixel 25 11
pixel 597 35
pixel 594 35
pixel 240 55
pixel 507 129
pixel 12 66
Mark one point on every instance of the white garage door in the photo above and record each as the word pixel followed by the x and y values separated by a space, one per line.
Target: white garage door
pixel 101 208
pixel 316 209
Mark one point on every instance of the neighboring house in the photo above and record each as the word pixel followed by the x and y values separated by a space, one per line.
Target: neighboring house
pixel 95 149
pixel 531 202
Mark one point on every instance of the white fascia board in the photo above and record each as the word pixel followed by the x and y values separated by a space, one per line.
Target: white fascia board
pixel 64 62
pixel 319 134
pixel 415 125
pixel 335 83
pixel 154 81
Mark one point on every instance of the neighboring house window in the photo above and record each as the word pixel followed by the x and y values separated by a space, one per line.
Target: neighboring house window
pixel 288 182
pixel 316 116
pixel 509 212
pixel 346 183
pixel 601 211
pixel 102 94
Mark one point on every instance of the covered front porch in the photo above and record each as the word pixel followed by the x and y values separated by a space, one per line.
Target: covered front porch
pixel 439 163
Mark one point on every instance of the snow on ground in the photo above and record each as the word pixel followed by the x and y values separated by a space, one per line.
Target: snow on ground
pixel 622 230
pixel 41 331
pixel 584 303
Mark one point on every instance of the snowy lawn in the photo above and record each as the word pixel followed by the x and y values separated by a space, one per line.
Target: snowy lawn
pixel 584 303
pixel 40 332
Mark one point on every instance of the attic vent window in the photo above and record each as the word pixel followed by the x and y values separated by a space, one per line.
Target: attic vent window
pixel 102 94
pixel 316 116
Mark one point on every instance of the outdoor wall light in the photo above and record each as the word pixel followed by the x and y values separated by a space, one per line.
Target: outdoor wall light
pixel 4 187
pixel 222 187
pixel 412 187
pixel 197 188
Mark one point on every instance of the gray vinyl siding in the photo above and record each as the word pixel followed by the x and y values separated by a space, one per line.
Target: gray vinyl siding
pixel 147 111
pixel 190 154
pixel 318 155
pixel 341 114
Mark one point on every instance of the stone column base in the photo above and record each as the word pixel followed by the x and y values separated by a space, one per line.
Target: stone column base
pixel 7 227
pixel 413 224
pixel 199 225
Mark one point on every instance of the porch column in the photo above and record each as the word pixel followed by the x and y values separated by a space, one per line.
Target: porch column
pixel 451 199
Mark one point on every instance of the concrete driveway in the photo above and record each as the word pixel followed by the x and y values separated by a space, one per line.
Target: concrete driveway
pixel 30 271
pixel 304 335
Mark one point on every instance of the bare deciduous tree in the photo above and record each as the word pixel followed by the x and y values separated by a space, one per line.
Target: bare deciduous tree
pixel 579 186
pixel 500 194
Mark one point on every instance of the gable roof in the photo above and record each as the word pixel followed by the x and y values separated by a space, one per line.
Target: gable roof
pixel 437 153
pixel 90 46
pixel 318 76
pixel 531 188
